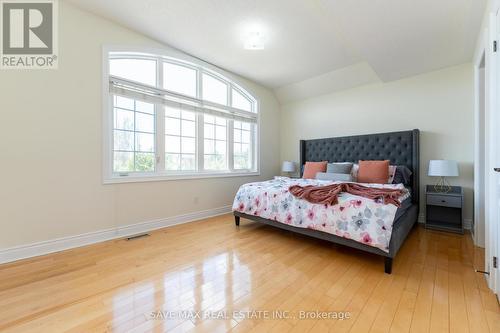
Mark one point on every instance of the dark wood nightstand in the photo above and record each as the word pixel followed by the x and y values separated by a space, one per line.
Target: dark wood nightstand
pixel 444 211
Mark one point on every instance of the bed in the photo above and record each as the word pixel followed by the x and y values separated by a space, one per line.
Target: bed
pixel 401 148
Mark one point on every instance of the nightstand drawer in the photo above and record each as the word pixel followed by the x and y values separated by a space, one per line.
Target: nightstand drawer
pixel 444 200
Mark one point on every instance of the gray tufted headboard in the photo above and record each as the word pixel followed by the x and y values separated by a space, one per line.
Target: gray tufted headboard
pixel 401 148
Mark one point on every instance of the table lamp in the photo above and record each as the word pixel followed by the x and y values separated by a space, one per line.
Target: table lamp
pixel 442 169
pixel 288 167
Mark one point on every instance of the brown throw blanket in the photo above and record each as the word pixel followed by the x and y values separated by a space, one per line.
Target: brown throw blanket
pixel 328 194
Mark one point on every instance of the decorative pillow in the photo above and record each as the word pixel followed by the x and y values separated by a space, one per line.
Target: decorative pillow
pixel 373 172
pixel 392 172
pixel 354 172
pixel 344 167
pixel 312 168
pixel 402 175
pixel 343 177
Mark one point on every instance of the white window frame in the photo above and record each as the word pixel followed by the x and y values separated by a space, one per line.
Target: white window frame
pixel 171 56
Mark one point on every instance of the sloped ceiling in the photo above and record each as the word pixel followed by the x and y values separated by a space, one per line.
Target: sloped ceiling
pixel 390 39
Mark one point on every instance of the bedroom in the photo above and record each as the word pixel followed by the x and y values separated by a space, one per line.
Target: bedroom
pixel 127 140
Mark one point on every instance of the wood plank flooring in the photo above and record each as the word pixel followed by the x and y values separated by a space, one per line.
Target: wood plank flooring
pixel 210 268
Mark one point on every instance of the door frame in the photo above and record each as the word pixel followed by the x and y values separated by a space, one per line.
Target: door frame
pixel 493 147
pixel 488 34
pixel 490 195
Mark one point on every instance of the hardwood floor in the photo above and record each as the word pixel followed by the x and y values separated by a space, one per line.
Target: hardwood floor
pixel 211 265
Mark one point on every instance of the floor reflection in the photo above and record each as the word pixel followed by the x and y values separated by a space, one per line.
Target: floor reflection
pixel 194 292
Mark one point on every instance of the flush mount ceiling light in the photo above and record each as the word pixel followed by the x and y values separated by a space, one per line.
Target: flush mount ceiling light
pixel 254 33
pixel 254 40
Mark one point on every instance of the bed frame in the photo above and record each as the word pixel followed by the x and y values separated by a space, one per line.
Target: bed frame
pixel 401 148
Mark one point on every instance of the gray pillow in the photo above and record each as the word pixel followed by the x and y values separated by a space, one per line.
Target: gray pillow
pixel 345 167
pixel 402 175
pixel 344 177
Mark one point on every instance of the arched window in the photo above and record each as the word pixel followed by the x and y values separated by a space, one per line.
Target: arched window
pixel 170 118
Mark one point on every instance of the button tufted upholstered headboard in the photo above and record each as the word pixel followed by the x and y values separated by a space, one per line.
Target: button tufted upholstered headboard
pixel 401 148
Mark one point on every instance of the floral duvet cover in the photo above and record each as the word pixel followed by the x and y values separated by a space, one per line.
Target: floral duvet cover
pixel 361 219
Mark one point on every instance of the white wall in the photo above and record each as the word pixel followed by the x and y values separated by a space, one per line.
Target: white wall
pixel 439 103
pixel 50 146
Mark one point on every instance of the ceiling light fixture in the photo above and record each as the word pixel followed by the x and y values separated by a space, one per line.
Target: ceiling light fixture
pixel 254 41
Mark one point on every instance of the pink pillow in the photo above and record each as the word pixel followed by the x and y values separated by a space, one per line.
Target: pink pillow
pixel 373 172
pixel 312 168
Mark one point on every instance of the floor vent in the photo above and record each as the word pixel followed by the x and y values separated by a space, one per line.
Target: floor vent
pixel 137 236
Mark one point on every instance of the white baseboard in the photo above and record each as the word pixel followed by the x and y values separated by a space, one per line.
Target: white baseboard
pixel 65 243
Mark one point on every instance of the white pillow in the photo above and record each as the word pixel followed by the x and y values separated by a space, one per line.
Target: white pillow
pixel 354 172
pixel 343 177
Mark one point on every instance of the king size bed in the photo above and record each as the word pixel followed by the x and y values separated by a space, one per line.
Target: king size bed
pixel 361 223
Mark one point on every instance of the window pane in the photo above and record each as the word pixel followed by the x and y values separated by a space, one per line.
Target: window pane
pixel 134 151
pixel 237 149
pixel 220 147
pixel 215 162
pixel 179 79
pixel 220 162
pixel 123 140
pixel 245 136
pixel 124 103
pixel 246 126
pixel 242 160
pixel 209 119
pixel 144 122
pixel 123 162
pixel 188 162
pixel 140 70
pixel 209 147
pixel 245 149
pixel 144 142
pixel 188 145
pixel 188 128
pixel 242 147
pixel 239 101
pixel 172 126
pixel 144 162
pixel 124 119
pixel 172 161
pixel 237 135
pixel 215 145
pixel 209 162
pixel 144 107
pixel 180 139
pixel 214 90
pixel 220 133
pixel 208 131
pixel 220 121
pixel 172 112
pixel 188 115
pixel 240 163
pixel 172 144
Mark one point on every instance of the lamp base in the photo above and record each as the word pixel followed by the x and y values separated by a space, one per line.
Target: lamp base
pixel 442 186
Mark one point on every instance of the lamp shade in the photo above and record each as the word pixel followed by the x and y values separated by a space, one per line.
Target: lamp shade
pixel 288 166
pixel 443 168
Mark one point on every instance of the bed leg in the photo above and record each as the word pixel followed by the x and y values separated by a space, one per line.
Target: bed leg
pixel 388 265
pixel 237 220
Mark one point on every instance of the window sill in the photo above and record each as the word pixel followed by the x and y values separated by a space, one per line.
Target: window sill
pixel 148 178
